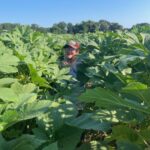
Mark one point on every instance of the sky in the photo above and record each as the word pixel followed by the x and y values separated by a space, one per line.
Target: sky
pixel 47 12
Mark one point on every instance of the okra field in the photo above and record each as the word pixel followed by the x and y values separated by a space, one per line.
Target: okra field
pixel 42 107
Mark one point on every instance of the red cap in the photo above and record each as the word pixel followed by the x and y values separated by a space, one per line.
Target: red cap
pixel 72 44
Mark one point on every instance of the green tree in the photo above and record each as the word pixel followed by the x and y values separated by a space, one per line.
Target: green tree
pixel 59 28
pixel 116 26
pixel 103 25
pixel 142 27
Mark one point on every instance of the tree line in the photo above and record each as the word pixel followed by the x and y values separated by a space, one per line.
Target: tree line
pixel 83 27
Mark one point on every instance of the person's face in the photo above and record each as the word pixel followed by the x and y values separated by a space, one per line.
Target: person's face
pixel 71 53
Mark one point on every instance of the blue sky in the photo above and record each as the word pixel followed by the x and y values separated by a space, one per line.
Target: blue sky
pixel 47 12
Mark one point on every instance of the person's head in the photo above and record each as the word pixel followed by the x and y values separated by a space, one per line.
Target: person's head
pixel 71 49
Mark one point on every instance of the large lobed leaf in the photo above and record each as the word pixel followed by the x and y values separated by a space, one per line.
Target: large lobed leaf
pixel 107 99
pixel 8 63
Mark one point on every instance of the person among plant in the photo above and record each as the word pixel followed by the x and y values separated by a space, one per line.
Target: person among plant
pixel 71 50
